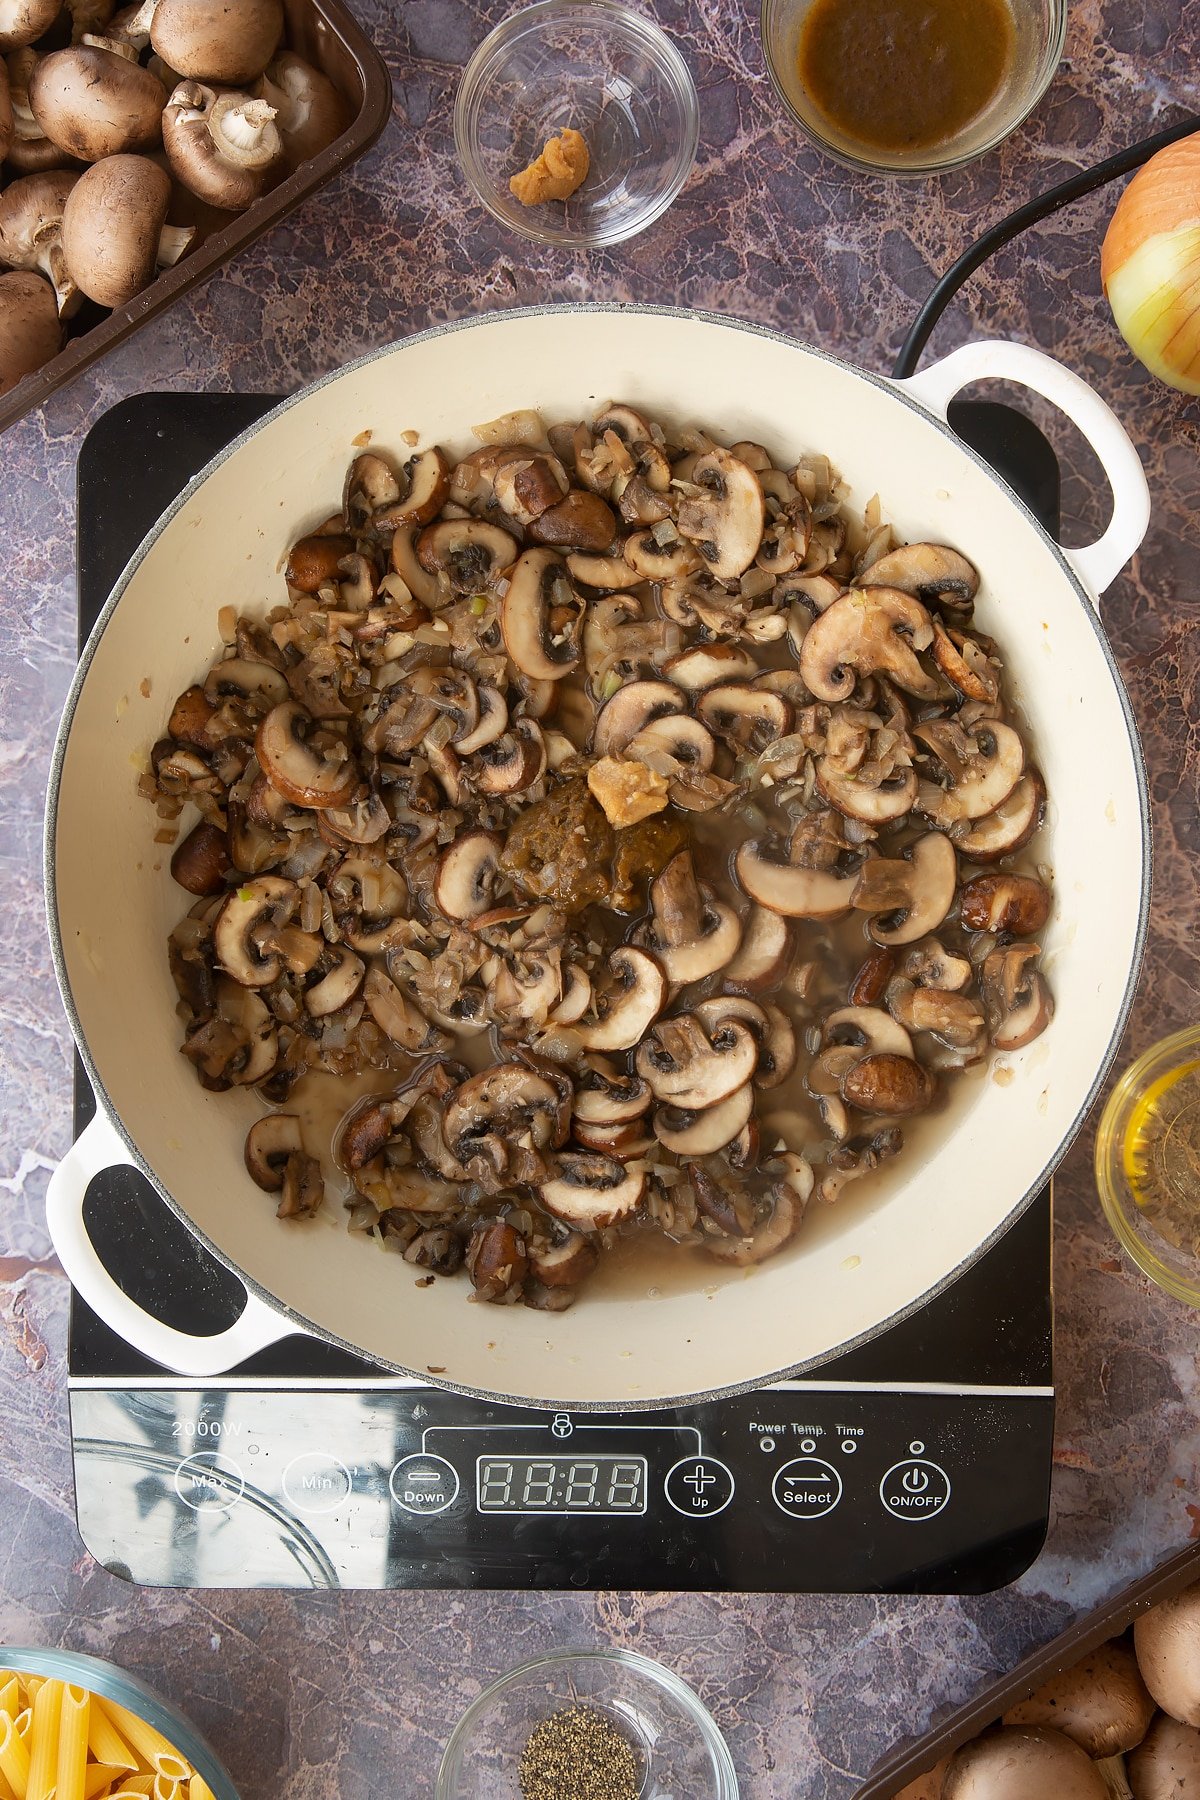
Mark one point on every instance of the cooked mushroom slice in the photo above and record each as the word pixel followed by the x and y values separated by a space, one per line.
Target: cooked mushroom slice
pixel 513 762
pixel 526 484
pixel 270 1143
pixel 747 717
pixel 603 1096
pixel 1010 827
pixel 866 1029
pixel 725 521
pixel 911 894
pixel 678 738
pixel 491 723
pixel 308 765
pixel 313 560
pixel 497 1260
pixel 235 678
pixel 965 664
pixel 576 996
pixel 931 965
pixel 367 897
pixel 237 1045
pixel 627 1143
pixel 428 478
pixel 399 1020
pixel 764 955
pixel 870 981
pixel 630 710
pixel 201 862
pixel 795 892
pixel 221 147
pixel 1015 904
pixel 933 572
pixel 704 1133
pixel 250 915
pixel 591 1191
pixel 888 1084
pixel 467 875
pixel 872 631
pixel 707 664
pixel 658 554
pixel 363 823
pixel 1020 1761
pixel 780 1208
pixel 93 102
pixel 541 616
pixel 691 933
pixel 563 1265
pixel 983 765
pixel 1101 1702
pixel 339 976
pixel 627 1004
pixel 498 1123
pixel 693 1067
pixel 469 552
pixel 1018 1002
pixel 580 522
pixel 866 769
pixel 772 1031
pixel 607 574
pixel 950 1016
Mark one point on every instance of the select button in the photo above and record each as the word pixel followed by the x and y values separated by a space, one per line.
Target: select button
pixel 807 1488
pixel 424 1484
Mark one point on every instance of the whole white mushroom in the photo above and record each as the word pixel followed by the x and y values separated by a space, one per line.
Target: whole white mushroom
pixel 1023 1762
pixel 1167 1641
pixel 1166 1765
pixel 1100 1702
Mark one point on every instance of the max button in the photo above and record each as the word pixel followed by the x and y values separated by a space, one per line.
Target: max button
pixel 209 1483
pixel 914 1489
pixel 699 1487
pixel 424 1484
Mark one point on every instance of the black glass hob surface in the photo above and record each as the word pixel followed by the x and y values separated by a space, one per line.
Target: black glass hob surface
pixel 919 1463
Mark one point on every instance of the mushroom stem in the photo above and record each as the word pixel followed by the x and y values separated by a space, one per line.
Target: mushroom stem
pixel 241 130
pixel 677 903
pixel 174 242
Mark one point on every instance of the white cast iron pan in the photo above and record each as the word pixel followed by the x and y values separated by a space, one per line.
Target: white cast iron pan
pixel 854 1268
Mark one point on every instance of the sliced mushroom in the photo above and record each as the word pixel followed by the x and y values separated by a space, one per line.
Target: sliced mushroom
pixel 870 981
pixel 1018 1002
pixel 590 1191
pixel 428 482
pixel 909 895
pixel 399 1019
pixel 308 765
pixel 627 1003
pixel 313 561
pixel 511 763
pixel 706 664
pixel 983 764
pixel 725 521
pixel 1017 905
pixel 246 918
pixel 528 483
pixel 764 955
pixel 933 572
pixel 201 862
pixel 607 574
pixel 930 965
pixel 340 975
pixel 950 1016
pixel 541 617
pixel 270 1143
pixel 367 896
pixel 704 1133
pixel 1010 827
pixel 94 103
pixel 771 1027
pixel 892 1085
pixel 579 522
pixel 655 558
pixel 630 710
pixel 467 875
pixel 497 1260
pixel 563 1265
pixel 691 933
pixel 796 893
pixel 779 1210
pixel 678 738
pixel 693 1067
pixel 749 718
pixel 871 631
pixel 500 1121
pixel 470 553
pixel 605 1097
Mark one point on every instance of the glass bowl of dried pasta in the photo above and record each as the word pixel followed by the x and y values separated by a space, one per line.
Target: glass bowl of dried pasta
pixel 83 1729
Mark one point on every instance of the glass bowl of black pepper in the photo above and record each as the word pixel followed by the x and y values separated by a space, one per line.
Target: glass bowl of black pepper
pixel 587 1725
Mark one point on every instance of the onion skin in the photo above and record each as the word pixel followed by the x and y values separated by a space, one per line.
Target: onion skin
pixel 1150 265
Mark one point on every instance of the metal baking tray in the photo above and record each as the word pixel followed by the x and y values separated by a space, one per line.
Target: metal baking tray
pixel 326 35
pixel 907 1761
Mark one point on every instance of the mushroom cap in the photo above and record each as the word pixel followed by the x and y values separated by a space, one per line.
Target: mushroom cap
pixel 1019 1762
pixel 539 588
pixel 1010 827
pixel 112 222
pixel 725 522
pixel 1101 1702
pixel 871 631
pixel 794 892
pixel 927 1786
pixel 1167 1642
pixel 93 103
pixel 229 41
pixel 309 110
pixel 192 141
pixel 24 21
pixel 6 111
pixel 30 329
pixel 1166 1764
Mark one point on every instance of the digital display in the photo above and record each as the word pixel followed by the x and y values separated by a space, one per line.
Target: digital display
pixel 561 1484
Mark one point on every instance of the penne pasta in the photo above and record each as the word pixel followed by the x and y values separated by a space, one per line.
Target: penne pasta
pixel 99 1777
pixel 150 1744
pixel 43 1741
pixel 23 1723
pixel 10 1696
pixel 198 1789
pixel 165 1789
pixel 135 1785
pixel 105 1741
pixel 14 1757
pixel 7 1790
pixel 71 1766
pixel 33 1685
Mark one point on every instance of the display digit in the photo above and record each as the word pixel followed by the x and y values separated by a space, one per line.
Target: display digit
pixel 539 1484
pixel 582 1481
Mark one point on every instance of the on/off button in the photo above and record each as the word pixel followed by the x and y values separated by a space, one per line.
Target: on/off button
pixel 914 1489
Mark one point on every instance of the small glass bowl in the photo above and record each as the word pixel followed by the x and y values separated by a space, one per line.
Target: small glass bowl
pixel 114 1683
pixel 1176 1270
pixel 602 69
pixel 682 1752
pixel 1040 28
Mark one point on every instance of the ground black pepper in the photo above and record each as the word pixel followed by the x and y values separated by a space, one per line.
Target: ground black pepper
pixel 579 1754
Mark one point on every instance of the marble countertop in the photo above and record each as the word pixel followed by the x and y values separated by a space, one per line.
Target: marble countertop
pixel 354 1695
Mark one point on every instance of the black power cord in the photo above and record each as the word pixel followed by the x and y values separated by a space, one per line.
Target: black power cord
pixel 1032 213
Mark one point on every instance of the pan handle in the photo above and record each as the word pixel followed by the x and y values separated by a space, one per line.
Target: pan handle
pixel 98 1148
pixel 998 359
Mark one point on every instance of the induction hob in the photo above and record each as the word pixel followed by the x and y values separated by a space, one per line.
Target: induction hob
pixel 918 1463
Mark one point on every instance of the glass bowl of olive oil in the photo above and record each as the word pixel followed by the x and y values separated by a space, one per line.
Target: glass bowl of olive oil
pixel 1148 1163
pixel 911 87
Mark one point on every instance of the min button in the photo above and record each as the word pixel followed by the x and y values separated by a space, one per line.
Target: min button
pixel 316 1483
pixel 914 1489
